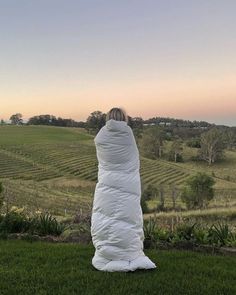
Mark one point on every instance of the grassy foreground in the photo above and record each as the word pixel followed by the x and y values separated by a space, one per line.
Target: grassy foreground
pixel 46 268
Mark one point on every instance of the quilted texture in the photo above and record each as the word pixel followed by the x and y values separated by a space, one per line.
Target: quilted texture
pixel 117 220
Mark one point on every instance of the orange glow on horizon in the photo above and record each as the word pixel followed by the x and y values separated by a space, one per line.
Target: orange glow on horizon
pixel 168 98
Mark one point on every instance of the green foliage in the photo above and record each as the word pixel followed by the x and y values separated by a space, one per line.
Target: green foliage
pixel 144 205
pixel 198 190
pixel 150 191
pixel 231 241
pixel 200 233
pixel 96 121
pixel 46 224
pixel 219 234
pixel 185 231
pixel 14 222
pixel 194 142
pixel 150 228
pixel 196 232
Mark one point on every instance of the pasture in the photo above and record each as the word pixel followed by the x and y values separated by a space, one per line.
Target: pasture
pixel 55 169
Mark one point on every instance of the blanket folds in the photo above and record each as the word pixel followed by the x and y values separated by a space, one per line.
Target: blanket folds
pixel 117 219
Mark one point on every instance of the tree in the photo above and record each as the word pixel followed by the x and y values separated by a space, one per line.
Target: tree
pixel 16 119
pixel 212 145
pixel 136 124
pixel 153 141
pixel 230 138
pixel 149 192
pixel 46 119
pixel 198 191
pixel 95 121
pixel 2 122
pixel 176 149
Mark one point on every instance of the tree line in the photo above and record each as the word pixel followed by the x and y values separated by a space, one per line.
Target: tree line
pixel 210 142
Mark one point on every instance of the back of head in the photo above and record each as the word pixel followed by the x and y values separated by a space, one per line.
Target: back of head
pixel 117 114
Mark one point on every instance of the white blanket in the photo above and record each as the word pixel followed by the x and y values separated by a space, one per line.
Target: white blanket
pixel 117 220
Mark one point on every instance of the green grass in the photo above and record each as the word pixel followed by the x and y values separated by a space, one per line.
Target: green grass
pixel 43 268
pixel 11 134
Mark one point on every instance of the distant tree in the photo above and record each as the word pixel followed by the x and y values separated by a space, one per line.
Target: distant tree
pixel 150 191
pixel 136 122
pixel 198 191
pixel 194 142
pixel 2 122
pixel 16 119
pixel 153 142
pixel 212 145
pixel 95 121
pixel 230 139
pixel 175 153
pixel 53 121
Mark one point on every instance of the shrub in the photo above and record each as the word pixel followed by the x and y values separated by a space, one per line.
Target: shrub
pixel 219 234
pixel 231 241
pixel 185 231
pixel 201 235
pixel 45 224
pixel 149 228
pixel 14 222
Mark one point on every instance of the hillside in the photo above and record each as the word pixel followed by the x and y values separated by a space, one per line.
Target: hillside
pixel 55 168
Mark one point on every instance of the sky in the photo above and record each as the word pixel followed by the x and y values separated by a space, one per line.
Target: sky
pixel 159 58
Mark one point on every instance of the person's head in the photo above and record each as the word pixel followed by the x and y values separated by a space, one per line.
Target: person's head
pixel 117 114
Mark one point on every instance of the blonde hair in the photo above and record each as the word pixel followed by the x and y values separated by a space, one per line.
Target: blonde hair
pixel 117 114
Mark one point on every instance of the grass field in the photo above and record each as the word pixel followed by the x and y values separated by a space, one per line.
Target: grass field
pixel 55 168
pixel 42 268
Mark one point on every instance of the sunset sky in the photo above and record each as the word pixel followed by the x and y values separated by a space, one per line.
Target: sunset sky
pixel 163 58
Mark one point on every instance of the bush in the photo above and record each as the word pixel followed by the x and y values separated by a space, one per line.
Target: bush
pixel 219 234
pixel 14 222
pixel 149 229
pixel 45 224
pixel 201 235
pixel 185 231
